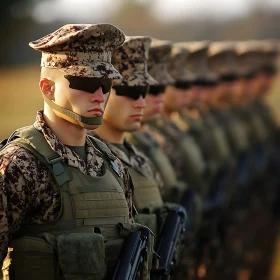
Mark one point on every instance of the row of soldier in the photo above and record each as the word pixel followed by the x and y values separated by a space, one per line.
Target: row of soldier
pixel 185 154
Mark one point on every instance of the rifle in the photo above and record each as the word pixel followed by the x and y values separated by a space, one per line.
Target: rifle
pixel 169 241
pixel 133 255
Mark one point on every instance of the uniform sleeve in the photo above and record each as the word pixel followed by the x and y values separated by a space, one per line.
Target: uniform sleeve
pixel 14 197
pixel 24 186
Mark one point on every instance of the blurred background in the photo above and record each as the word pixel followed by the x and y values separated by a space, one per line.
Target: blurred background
pixel 23 21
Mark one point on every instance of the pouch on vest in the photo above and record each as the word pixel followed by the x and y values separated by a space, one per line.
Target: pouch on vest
pixel 86 259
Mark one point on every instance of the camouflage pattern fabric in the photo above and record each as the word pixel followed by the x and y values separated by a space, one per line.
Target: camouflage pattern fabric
pixel 130 60
pixel 197 61
pixel 81 49
pixel 28 191
pixel 159 54
pixel 222 58
pixel 177 65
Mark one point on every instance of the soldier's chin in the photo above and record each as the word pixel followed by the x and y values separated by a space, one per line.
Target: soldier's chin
pixel 133 127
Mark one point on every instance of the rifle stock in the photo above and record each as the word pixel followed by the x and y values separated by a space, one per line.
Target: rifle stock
pixel 133 255
pixel 169 241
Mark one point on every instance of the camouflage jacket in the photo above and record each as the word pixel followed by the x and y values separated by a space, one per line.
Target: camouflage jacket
pixel 137 160
pixel 28 192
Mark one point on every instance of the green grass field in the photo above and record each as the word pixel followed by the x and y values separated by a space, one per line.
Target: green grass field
pixel 21 97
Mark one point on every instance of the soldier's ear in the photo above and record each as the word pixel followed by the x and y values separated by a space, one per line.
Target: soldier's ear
pixel 47 88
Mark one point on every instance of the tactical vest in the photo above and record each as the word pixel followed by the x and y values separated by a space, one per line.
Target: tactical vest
pixel 239 138
pixel 194 163
pixel 173 189
pixel 147 196
pixel 258 128
pixel 221 149
pixel 88 205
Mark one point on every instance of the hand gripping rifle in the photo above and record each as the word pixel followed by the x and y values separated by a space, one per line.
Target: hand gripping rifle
pixel 169 242
pixel 134 253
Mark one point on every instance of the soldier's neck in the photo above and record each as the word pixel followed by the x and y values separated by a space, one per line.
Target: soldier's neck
pixel 67 132
pixel 110 134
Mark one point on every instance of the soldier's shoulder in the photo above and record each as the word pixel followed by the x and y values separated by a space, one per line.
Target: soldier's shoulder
pixel 15 154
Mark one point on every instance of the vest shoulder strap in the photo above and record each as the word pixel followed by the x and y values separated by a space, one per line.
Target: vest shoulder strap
pixel 34 141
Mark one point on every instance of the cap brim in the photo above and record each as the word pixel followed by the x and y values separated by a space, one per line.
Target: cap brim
pixel 95 70
pixel 185 76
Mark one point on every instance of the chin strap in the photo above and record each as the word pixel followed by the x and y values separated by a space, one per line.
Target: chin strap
pixel 74 116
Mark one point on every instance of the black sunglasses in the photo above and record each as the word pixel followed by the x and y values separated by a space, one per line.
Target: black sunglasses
pixel 250 76
pixel 133 92
pixel 182 85
pixel 89 84
pixel 156 90
pixel 205 83
pixel 229 78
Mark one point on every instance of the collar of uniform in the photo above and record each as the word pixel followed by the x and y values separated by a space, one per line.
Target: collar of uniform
pixel 137 160
pixel 94 162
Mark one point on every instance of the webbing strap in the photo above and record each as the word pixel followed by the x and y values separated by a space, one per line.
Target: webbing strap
pixel 72 115
pixel 34 141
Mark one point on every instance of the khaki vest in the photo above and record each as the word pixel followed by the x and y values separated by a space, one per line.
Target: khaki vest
pixel 88 205
pixel 193 160
pixel 173 189
pixel 146 192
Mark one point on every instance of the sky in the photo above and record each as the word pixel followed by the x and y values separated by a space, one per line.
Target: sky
pixel 47 11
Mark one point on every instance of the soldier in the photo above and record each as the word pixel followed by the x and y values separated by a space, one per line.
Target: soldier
pixel 61 189
pixel 222 60
pixel 189 168
pixel 150 141
pixel 124 114
pixel 132 90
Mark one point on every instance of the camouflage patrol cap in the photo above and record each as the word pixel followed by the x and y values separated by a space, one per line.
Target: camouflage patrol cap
pixel 222 59
pixel 81 49
pixel 269 49
pixel 248 57
pixel 197 61
pixel 159 54
pixel 177 66
pixel 130 60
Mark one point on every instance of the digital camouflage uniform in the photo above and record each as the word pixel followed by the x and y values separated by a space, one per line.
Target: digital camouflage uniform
pixel 131 61
pixel 36 218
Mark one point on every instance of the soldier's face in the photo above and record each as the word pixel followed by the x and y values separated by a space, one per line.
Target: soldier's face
pixel 124 114
pixel 254 86
pixel 266 82
pixel 174 98
pixel 79 101
pixel 154 107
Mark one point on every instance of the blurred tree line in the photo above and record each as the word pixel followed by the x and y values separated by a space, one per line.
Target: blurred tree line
pixel 18 27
